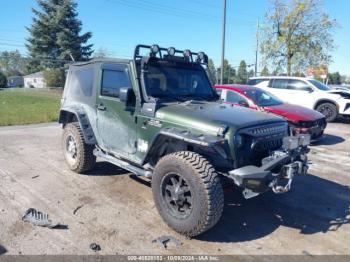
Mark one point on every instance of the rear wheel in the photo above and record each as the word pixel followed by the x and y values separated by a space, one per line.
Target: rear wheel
pixel 79 155
pixel 187 193
pixel 329 110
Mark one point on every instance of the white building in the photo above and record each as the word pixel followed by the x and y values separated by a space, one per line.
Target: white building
pixel 35 80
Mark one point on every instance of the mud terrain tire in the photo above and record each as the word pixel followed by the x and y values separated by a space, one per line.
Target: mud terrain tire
pixel 80 157
pixel 203 202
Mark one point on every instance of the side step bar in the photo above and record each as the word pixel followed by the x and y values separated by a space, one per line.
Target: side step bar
pixel 122 164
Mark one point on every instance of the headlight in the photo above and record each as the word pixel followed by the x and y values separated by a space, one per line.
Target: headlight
pixel 239 141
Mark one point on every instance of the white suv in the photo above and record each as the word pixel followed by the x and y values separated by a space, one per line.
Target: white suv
pixel 307 92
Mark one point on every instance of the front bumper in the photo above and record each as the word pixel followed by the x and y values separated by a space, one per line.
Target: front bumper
pixel 344 106
pixel 277 171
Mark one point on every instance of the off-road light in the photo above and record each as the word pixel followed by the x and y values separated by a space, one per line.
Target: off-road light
pixel 154 49
pixel 290 143
pixel 187 53
pixel 171 51
pixel 202 58
pixel 304 140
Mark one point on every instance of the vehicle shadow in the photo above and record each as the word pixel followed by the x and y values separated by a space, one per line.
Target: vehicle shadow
pixel 343 120
pixel 141 180
pixel 3 250
pixel 106 169
pixel 313 205
pixel 329 140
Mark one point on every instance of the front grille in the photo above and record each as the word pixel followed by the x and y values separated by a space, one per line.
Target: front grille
pixel 258 142
pixel 267 130
pixel 267 145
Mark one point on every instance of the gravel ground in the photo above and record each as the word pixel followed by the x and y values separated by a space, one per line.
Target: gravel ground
pixel 110 207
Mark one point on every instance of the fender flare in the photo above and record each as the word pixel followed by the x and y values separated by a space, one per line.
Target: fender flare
pixel 219 144
pixel 325 100
pixel 76 114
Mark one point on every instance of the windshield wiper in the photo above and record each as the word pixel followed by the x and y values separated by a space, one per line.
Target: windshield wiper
pixel 198 97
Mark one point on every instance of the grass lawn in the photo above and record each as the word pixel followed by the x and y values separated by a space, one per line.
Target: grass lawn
pixel 19 106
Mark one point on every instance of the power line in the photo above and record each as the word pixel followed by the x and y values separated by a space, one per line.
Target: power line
pixel 173 11
pixel 8 44
pixel 41 58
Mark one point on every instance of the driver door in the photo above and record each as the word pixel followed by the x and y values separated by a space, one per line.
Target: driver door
pixel 116 126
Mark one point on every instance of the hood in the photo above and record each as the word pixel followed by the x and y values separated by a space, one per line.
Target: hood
pixel 340 92
pixel 209 116
pixel 341 88
pixel 294 112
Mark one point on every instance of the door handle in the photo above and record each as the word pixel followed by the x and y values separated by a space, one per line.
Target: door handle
pixel 101 107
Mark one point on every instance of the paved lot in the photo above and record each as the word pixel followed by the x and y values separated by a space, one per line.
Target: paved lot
pixel 117 210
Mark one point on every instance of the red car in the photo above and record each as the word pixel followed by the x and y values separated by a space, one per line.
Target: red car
pixel 301 120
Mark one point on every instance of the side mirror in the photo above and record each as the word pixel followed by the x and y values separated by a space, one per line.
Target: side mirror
pixel 309 89
pixel 126 95
pixel 243 103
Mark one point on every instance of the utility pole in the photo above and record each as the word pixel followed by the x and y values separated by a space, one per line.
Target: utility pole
pixel 223 42
pixel 257 48
pixel 217 76
pixel 229 72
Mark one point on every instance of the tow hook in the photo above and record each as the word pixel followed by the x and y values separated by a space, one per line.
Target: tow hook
pixel 282 183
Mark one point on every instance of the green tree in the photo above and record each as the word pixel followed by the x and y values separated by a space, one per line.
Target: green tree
pixel 211 71
pixel 265 71
pixel 345 79
pixel 3 80
pixel 233 75
pixel 229 73
pixel 55 35
pixel 334 78
pixel 251 73
pixel 54 77
pixel 298 34
pixel 12 63
pixel 242 74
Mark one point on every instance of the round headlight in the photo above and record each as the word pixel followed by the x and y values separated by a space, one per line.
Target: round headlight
pixel 154 49
pixel 171 51
pixel 239 140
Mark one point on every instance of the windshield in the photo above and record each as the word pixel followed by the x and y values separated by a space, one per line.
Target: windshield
pixel 319 85
pixel 163 81
pixel 263 98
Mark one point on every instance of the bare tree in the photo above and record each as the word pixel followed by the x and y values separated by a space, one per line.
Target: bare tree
pixel 297 35
pixel 102 53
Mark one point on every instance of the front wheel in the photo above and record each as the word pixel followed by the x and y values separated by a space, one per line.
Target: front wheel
pixel 329 110
pixel 187 193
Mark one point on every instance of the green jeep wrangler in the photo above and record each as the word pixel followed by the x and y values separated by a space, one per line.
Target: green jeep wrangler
pixel 157 116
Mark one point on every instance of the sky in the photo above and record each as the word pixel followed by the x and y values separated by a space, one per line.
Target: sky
pixel 119 25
